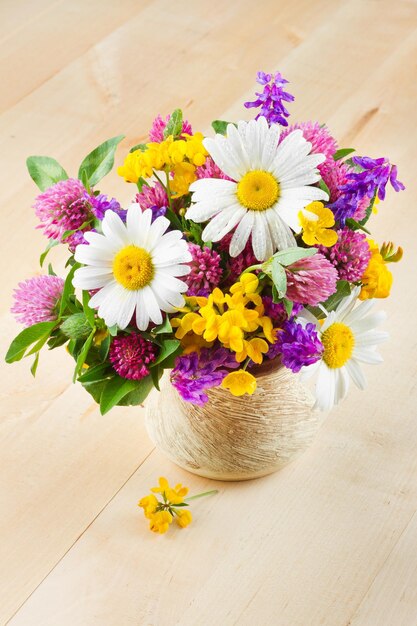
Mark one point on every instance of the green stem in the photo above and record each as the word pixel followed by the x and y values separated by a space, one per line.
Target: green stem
pixel 158 179
pixel 201 495
pixel 168 190
pixel 246 363
pixel 252 267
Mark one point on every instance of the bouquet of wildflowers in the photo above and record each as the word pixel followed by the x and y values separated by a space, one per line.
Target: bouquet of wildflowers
pixel 245 246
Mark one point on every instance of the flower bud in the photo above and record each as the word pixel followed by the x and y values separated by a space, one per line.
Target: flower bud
pixel 76 326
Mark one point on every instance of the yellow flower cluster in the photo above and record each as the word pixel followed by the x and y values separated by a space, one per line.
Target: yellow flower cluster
pixel 176 157
pixel 316 221
pixel 161 514
pixel 236 319
pixel 377 279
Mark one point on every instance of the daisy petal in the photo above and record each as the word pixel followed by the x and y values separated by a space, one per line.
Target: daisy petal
pixel 223 156
pixel 91 277
pixel 342 384
pixel 281 235
pixel 151 305
pixel 114 229
pixel 356 373
pixel 142 316
pixel 89 255
pixel 269 148
pixel 109 308
pixel 261 239
pixel 98 298
pixel 371 338
pixel 241 234
pixel 367 323
pixel 367 356
pixel 325 387
pixel 308 371
pixel 126 309
pixel 223 223
pixel 100 242
pixel 156 230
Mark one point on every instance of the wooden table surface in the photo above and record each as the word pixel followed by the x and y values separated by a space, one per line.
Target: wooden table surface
pixel 331 539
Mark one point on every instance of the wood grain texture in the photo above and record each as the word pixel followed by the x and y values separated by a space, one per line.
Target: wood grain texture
pixel 330 540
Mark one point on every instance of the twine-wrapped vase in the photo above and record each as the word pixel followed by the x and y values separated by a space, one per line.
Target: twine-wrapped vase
pixel 232 438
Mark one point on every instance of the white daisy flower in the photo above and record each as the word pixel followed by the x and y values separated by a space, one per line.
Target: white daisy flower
pixel 349 338
pixel 271 184
pixel 135 267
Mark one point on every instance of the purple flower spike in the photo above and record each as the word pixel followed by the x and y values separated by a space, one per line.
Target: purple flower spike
pixel 271 99
pixel 371 180
pixel 101 203
pixel 298 345
pixel 193 374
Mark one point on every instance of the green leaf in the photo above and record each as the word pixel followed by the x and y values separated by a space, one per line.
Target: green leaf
pixel 83 354
pixel 45 171
pixel 165 327
pixel 139 146
pixel 38 345
pixel 156 374
pixel 354 225
pixel 340 154
pixel 68 289
pixel 83 175
pixel 173 218
pixel 26 338
pixel 288 306
pixel 99 162
pixel 51 270
pixel 139 394
pixel 34 365
pixel 112 330
pixel 368 212
pixel 220 126
pixel 195 231
pixel 291 255
pixel 51 244
pixel 141 183
pixel 68 233
pixel 170 346
pixel 174 126
pixel 96 373
pixel 95 389
pixel 324 187
pixel 342 291
pixel 88 311
pixel 104 348
pixel 275 295
pixel 279 278
pixel 56 340
pixel 114 390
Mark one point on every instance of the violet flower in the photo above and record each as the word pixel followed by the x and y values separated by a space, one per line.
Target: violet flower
pixel 298 345
pixel 371 180
pixel 272 98
pixel 194 373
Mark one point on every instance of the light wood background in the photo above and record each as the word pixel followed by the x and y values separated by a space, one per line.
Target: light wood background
pixel 331 540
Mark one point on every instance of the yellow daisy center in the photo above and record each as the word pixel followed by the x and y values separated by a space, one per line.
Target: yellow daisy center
pixel 258 190
pixel 133 267
pixel 338 342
